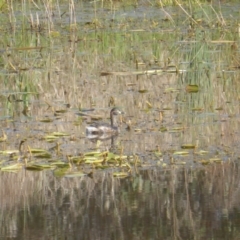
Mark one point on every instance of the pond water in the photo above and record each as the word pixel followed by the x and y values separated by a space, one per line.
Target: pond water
pixel 171 173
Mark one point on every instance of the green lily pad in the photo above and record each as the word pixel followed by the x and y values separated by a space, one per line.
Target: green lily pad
pixel 120 174
pixel 15 166
pixel 188 146
pixel 201 152
pixel 43 155
pixel 37 150
pixel 75 174
pixel 192 88
pixel 96 153
pixel 176 129
pixel 37 167
pixel 142 90
pixel 60 172
pixel 94 160
pixel 8 152
pixel 181 153
pixel 46 120
pixel 50 137
pixel 60 134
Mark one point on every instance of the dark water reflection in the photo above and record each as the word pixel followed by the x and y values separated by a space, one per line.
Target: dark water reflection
pixel 176 203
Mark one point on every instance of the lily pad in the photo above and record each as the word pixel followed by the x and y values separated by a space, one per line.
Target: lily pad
pixel 192 88
pixel 60 172
pixel 60 134
pixel 181 153
pixel 94 160
pixel 37 150
pixel 14 166
pixel 75 174
pixel 188 146
pixel 37 167
pixel 120 174
pixel 8 152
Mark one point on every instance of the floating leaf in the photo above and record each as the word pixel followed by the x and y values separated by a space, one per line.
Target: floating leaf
pixel 188 146
pixel 50 138
pixel 60 164
pixel 121 157
pixel 96 153
pixel 37 150
pixel 105 153
pixel 60 111
pixel 38 166
pixel 176 129
pixel 111 156
pixel 14 166
pixel 77 159
pixel 171 90
pixel 8 152
pixel 11 170
pixel 60 172
pixel 197 109
pixel 60 134
pixel 192 88
pixel 94 160
pixel 137 130
pixel 204 162
pixel 120 174
pixel 149 105
pixel 46 120
pixel 180 163
pixel 218 160
pixel 158 154
pixel 142 90
pixel 43 165
pixel 75 174
pixel 201 152
pixel 146 72
pixel 163 129
pixel 54 34
pixel 181 153
pixel 43 155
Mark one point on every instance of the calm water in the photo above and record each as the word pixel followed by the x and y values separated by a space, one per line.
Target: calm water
pixel 51 82
pixel 174 203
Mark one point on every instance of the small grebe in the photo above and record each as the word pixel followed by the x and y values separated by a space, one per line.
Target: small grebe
pixel 96 130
